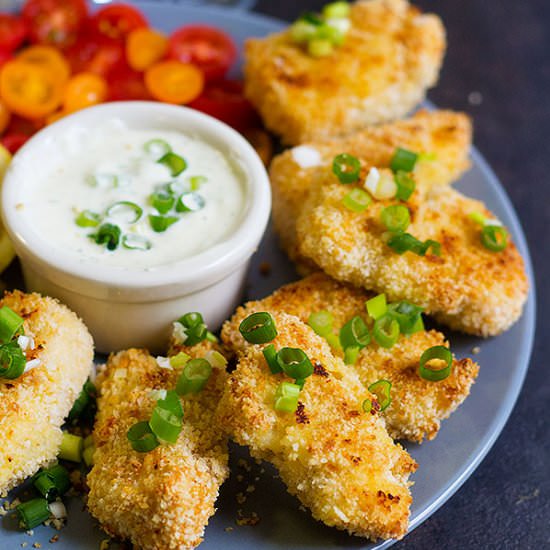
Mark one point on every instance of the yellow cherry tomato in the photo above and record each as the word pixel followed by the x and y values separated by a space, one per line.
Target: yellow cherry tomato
pixel 49 58
pixel 30 90
pixel 174 82
pixel 84 90
pixel 144 47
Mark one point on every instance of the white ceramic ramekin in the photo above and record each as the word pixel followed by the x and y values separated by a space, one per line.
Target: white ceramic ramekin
pixel 121 308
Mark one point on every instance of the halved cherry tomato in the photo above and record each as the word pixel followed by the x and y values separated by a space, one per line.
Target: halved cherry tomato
pixel 117 21
pixel 144 47
pixel 49 58
pixel 127 84
pixel 55 22
pixel 96 54
pixel 5 116
pixel 174 82
pixel 210 49
pixel 13 30
pixel 13 142
pixel 30 90
pixel 84 90
pixel 226 102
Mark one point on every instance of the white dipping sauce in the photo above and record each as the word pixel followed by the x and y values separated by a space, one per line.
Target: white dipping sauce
pixel 62 189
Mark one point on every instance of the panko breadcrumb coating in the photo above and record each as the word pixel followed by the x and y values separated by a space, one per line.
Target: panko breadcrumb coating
pixel 163 499
pixel 445 134
pixel 418 405
pixel 33 407
pixel 391 55
pixel 338 460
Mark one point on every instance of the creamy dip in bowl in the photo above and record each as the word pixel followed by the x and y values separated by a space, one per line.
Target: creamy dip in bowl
pixel 134 213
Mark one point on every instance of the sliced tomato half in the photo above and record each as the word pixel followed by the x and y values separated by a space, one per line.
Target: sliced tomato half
pixel 13 31
pixel 117 21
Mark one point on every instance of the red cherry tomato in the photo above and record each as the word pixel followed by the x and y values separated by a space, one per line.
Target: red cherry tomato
pixel 13 142
pixel 98 55
pixel 226 102
pixel 127 84
pixel 116 21
pixel 54 22
pixel 20 125
pixel 208 48
pixel 13 30
pixel 5 56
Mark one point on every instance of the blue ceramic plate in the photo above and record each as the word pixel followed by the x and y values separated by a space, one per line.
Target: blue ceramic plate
pixel 444 464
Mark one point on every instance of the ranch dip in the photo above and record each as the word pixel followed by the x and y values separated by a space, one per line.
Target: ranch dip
pixel 134 198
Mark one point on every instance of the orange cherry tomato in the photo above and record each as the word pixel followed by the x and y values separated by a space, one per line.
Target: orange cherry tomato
pixel 144 47
pixel 174 82
pixel 30 90
pixel 49 58
pixel 84 90
pixel 5 116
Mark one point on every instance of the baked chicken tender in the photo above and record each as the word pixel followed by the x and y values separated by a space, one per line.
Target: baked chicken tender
pixel 339 461
pixel 391 55
pixel 33 407
pixel 446 134
pixel 163 499
pixel 418 405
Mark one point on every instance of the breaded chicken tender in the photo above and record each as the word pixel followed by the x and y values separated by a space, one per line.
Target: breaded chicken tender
pixel 418 405
pixel 33 407
pixel 163 499
pixel 445 134
pixel 391 55
pixel 338 460
pixel 468 287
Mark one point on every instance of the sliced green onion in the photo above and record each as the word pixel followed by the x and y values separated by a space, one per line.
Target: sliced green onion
pixel 165 424
pixel 162 201
pixel 405 185
pixel 194 376
pixel 357 200
pixel 258 328
pixel 45 486
pixel 87 218
pixel 216 359
pixel 88 455
pixel 494 237
pixel 351 354
pixel 82 401
pixel 52 482
pixel 417 327
pixel 103 181
pixel 286 397
pixel 395 217
pixel 321 322
pixel 377 306
pixel 11 324
pixel 190 202
pixel 354 333
pixel 160 224
pixel 346 168
pixel 195 329
pixel 407 315
pixel 195 182
pixel 136 242
pixel 108 235
pixel 336 10
pixel 405 242
pixel 142 438
pixel 302 32
pixel 294 362
pixel 334 341
pixel 440 353
pixel 386 331
pixel 12 361
pixel 33 512
pixel 191 319
pixel 403 160
pixel 382 389
pixel 427 156
pixel 157 148
pixel 71 447
pixel 478 218
pixel 125 211
pixel 172 403
pixel 331 32
pixel 88 441
pixel 211 337
pixel 179 360
pixel 367 406
pixel 312 18
pixel 270 355
pixel 174 163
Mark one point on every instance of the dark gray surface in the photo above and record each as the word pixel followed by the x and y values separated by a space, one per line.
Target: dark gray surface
pixel 500 49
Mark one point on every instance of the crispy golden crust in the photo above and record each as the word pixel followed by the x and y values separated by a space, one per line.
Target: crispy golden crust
pixel 34 406
pixel 163 499
pixel 445 133
pixel 468 287
pixel 391 55
pixel 418 406
pixel 339 461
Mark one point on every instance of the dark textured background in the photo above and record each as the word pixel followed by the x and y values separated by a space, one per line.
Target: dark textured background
pixel 501 50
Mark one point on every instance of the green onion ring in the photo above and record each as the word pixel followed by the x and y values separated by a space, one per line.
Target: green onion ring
pixel 87 218
pixel 174 163
pixel 367 405
pixel 190 202
pixel 346 168
pixel 142 438
pixel 436 352
pixel 405 185
pixel 157 148
pixel 258 328
pixel 321 322
pixel 270 355
pixel 494 237
pixel 136 242
pixel 294 362
pixel 11 324
pixel 118 209
pixel 194 376
pixel 381 389
pixel 357 200
pixel 395 217
pixel 165 424
pixel 286 397
pixel 354 333
pixel 162 201
pixel 403 160
pixel 386 331
pixel 12 361
pixel 407 315
pixel 108 234
pixel 159 224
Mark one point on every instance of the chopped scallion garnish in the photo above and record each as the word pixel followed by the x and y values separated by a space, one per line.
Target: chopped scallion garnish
pixel 270 355
pixel 125 212
pixel 11 324
pixel 408 316
pixel 405 242
pixel 157 148
pixel 190 202
pixel 367 406
pixel 440 353
pixel 108 235
pixel 382 389
pixel 321 322
pixel 136 242
pixel 179 360
pixel 174 163
pixel 195 328
pixel 33 512
pixel 162 201
pixel 87 218
pixel 166 419
pixel 286 397
pixel 159 224
pixel 494 237
pixel 357 200
pixel 88 455
pixel 336 10
pixel 346 168
pixel 195 182
pixel 103 181
pixel 71 447
pixel 12 361
pixel 295 363
pixel 194 376
pixel 52 482
pixel 386 331
pixel 258 328
pixel 396 217
pixel 404 160
pixel 302 31
pixel 354 333
pixel 377 306
pixel 351 354
pixel 405 185
pixel 142 438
